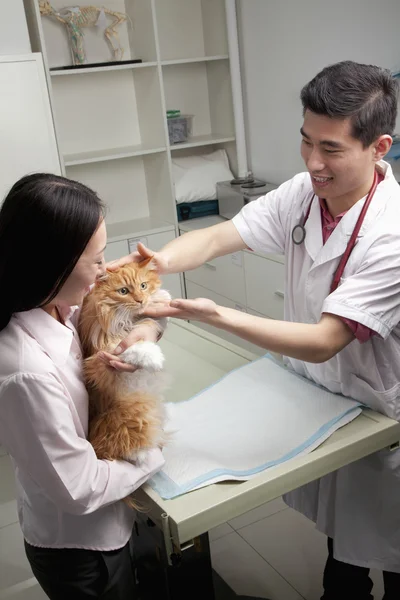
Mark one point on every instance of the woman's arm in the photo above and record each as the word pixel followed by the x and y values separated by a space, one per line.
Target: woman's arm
pixel 37 428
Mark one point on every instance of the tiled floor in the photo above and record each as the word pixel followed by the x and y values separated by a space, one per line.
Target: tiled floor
pixel 271 552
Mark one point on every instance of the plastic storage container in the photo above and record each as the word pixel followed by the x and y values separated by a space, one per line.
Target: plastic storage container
pixel 194 210
pixel 179 128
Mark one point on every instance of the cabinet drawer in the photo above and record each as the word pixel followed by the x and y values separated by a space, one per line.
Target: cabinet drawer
pixel 154 241
pixel 224 275
pixel 196 291
pixel 264 285
pixel 115 250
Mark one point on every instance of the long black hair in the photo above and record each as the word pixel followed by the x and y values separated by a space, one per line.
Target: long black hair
pixel 46 222
pixel 365 93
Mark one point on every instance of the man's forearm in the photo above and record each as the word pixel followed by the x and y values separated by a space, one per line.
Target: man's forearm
pixel 308 342
pixel 194 248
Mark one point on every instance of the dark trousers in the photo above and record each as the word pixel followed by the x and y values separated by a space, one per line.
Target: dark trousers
pixel 71 574
pixel 348 582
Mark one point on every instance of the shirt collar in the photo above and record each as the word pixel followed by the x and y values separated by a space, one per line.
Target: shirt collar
pixel 54 337
pixel 326 215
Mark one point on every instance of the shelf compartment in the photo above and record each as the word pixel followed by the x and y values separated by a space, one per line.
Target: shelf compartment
pixel 132 188
pixel 201 89
pixel 191 28
pixel 116 109
pixel 137 37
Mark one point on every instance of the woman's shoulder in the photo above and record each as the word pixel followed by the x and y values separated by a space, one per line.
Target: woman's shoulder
pixel 21 353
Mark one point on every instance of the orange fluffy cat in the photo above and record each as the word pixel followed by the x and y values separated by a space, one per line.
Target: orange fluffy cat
pixel 126 414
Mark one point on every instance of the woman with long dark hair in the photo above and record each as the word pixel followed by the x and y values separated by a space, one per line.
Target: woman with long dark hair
pixel 76 530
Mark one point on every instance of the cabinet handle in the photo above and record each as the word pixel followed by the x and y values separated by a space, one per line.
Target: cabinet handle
pixel 280 294
pixel 210 266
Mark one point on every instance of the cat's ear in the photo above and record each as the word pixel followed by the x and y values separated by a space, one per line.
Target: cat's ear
pixel 147 262
pixel 103 279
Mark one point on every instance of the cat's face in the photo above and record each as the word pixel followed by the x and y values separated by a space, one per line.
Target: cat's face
pixel 131 286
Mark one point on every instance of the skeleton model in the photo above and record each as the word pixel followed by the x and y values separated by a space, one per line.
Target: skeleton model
pixel 77 17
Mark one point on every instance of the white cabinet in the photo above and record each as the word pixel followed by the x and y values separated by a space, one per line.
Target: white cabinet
pixel 224 276
pixel 115 250
pixel 196 291
pixel 14 36
pixel 27 139
pixel 265 281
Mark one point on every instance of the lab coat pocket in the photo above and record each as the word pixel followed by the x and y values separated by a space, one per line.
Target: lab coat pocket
pixel 386 401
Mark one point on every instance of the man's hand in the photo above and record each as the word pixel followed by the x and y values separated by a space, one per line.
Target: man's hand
pixel 142 253
pixel 201 309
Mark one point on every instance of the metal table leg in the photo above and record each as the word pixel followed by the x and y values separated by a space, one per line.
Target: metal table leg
pixel 189 575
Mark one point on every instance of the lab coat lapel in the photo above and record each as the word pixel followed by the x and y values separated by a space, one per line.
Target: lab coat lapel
pixel 340 237
pixel 313 239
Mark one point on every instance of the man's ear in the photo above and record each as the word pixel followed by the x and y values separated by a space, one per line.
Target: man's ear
pixel 382 146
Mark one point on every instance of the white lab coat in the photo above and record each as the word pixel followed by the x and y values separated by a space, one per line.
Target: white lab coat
pixel 358 505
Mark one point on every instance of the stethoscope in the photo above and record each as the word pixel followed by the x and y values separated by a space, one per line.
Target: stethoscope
pixel 299 233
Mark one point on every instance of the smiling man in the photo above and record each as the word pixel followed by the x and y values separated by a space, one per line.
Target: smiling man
pixel 338 225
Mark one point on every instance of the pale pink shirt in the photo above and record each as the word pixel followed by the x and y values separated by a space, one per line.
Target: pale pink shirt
pixel 67 498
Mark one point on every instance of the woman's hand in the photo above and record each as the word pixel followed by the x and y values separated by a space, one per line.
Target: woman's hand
pixel 142 253
pixel 145 332
pixel 201 309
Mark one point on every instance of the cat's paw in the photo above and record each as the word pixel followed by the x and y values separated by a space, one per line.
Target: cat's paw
pixel 144 355
pixel 138 457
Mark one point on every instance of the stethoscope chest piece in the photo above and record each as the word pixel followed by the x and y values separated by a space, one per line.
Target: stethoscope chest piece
pixel 298 234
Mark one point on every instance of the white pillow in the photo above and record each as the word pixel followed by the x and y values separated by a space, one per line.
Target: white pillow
pixel 195 177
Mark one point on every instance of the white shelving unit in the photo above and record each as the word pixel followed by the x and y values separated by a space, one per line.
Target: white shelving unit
pixel 111 121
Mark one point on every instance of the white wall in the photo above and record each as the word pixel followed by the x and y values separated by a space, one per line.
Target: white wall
pixel 284 43
pixel 14 38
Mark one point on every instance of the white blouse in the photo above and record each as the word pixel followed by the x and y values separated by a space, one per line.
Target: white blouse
pixel 67 498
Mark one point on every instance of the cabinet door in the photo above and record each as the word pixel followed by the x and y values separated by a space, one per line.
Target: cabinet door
pixel 196 291
pixel 27 137
pixel 264 285
pixel 156 241
pixel 224 276
pixel 115 250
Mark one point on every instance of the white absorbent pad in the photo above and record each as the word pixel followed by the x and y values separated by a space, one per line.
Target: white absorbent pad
pixel 254 418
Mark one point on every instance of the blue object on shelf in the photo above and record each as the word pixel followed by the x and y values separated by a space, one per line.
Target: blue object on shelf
pixel 193 210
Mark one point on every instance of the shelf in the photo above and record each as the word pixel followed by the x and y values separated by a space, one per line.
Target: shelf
pixel 82 158
pixel 184 61
pixel 137 228
pixel 201 223
pixel 203 140
pixel 143 65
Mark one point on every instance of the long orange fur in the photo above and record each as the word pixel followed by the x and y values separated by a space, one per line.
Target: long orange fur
pixel 120 420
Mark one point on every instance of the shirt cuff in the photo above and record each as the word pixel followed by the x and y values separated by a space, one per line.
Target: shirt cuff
pixel 355 314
